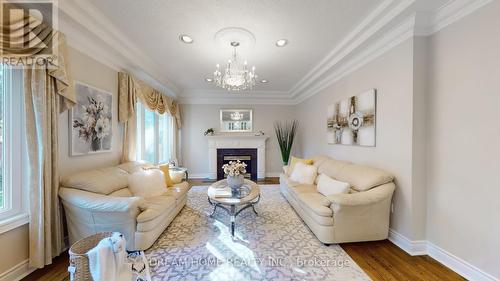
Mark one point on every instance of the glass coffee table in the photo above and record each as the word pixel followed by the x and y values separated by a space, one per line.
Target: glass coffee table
pixel 221 196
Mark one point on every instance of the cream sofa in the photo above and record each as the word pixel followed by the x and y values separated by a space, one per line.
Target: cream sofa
pixel 361 215
pixel 99 200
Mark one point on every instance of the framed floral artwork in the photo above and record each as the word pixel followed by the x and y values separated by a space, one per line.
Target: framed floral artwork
pixel 91 121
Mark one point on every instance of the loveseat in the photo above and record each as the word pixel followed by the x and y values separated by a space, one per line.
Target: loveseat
pixel 99 200
pixel 360 215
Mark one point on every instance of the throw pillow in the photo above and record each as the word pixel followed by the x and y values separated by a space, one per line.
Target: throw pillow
pixel 304 174
pixel 328 186
pixel 296 160
pixel 147 183
pixel 165 168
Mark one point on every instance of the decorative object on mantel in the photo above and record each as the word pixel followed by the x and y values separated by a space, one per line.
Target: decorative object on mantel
pixel 352 121
pixel 236 120
pixel 259 133
pixel 285 133
pixel 235 172
pixel 209 132
pixel 90 119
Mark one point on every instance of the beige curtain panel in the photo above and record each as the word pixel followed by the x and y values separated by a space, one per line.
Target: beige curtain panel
pixel 47 92
pixel 131 90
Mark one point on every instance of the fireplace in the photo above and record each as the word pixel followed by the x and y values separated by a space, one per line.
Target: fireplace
pixel 246 155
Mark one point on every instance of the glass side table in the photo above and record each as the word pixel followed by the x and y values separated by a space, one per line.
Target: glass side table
pixel 181 170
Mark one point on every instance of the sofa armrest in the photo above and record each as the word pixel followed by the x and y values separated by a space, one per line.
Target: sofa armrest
pixel 372 196
pixel 101 203
pixel 362 216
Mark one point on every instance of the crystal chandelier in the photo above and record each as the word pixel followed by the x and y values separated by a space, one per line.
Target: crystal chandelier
pixel 236 76
pixel 236 116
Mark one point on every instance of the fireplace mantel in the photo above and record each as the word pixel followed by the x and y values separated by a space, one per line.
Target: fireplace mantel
pixel 236 141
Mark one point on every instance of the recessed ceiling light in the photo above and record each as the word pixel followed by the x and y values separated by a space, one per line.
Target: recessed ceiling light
pixel 209 79
pixel 186 38
pixel 264 81
pixel 281 43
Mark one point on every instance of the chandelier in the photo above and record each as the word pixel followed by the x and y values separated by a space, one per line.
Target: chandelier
pixel 236 116
pixel 236 76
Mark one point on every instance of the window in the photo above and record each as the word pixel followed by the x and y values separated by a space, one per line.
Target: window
pixel 155 136
pixel 12 150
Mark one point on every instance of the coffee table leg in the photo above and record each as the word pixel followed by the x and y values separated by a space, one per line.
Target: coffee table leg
pixel 233 213
pixel 253 207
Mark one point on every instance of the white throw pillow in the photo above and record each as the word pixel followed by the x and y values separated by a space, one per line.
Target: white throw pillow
pixel 328 186
pixel 303 173
pixel 147 183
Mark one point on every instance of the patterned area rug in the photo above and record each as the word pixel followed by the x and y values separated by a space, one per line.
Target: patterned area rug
pixel 275 245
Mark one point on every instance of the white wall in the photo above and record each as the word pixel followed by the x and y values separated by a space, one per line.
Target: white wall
pixel 392 76
pixel 463 196
pixel 199 117
pixel 93 73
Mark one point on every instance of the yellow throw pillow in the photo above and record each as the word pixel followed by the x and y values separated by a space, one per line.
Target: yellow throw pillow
pixel 296 160
pixel 165 169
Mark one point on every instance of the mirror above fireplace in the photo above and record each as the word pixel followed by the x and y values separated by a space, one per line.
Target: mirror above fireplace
pixel 236 120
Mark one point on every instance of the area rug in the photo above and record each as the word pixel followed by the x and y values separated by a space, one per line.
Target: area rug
pixel 275 245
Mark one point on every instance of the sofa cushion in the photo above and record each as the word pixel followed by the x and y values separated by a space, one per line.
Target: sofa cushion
pixel 363 178
pixel 303 188
pixel 316 203
pixel 124 192
pixel 318 160
pixel 102 181
pixel 147 183
pixel 154 207
pixel 332 167
pixel 178 191
pixel 134 166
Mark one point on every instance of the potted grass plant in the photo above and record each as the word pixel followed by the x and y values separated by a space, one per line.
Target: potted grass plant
pixel 285 133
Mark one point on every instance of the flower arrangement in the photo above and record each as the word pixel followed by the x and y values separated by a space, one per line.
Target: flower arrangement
pixel 234 168
pixel 95 122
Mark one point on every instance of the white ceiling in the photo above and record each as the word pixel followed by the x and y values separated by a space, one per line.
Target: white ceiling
pixel 328 38
pixel 312 27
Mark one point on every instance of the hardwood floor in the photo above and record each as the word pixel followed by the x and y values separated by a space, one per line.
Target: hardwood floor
pixel 381 260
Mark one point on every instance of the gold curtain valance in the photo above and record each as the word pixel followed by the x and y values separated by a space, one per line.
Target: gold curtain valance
pixel 131 89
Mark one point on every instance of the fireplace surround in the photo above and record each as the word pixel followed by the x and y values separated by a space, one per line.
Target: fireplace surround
pixel 237 141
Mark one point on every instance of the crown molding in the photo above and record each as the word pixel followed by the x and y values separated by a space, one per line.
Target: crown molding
pixel 200 96
pixel 386 12
pixel 90 32
pixel 86 27
pixel 449 13
pixel 385 43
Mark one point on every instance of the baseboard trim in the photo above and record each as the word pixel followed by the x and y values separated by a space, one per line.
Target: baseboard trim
pixel 457 264
pixel 17 272
pixel 423 247
pixel 414 248
pixel 199 176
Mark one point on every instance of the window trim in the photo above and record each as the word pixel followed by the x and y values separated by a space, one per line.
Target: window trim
pixel 15 213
